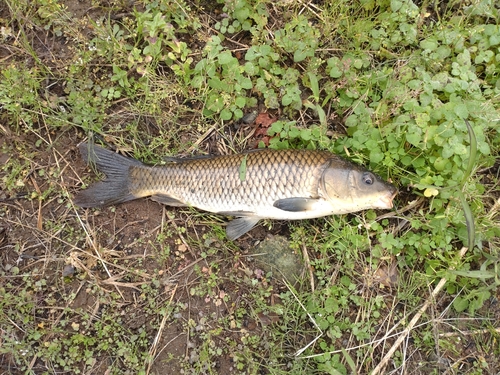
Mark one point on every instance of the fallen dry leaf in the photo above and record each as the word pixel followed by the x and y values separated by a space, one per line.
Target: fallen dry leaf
pixel 263 120
pixel 262 124
pixel 387 275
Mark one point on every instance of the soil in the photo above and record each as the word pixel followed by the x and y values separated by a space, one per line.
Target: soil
pixel 126 239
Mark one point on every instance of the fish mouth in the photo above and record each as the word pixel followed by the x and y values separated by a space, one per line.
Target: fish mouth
pixel 386 200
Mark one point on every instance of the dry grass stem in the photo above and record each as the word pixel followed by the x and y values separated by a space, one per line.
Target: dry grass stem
pixel 154 346
pixel 313 321
pixel 307 262
pixel 383 363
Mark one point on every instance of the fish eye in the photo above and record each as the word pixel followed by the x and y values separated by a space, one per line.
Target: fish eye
pixel 368 178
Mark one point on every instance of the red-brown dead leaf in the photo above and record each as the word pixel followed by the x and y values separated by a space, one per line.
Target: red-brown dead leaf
pixel 260 132
pixel 265 140
pixel 262 124
pixel 263 120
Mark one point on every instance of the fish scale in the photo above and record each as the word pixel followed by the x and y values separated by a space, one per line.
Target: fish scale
pixel 215 185
pixel 259 184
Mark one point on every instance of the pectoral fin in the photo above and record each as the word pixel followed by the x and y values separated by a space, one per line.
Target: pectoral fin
pixel 169 201
pixel 238 227
pixel 296 204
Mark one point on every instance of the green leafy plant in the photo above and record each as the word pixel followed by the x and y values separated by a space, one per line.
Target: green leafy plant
pixel 226 78
pixel 243 15
pixel 298 37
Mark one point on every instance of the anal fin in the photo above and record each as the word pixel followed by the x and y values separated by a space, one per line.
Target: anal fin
pixel 238 227
pixel 169 201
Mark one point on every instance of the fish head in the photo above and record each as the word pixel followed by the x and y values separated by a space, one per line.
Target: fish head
pixel 349 188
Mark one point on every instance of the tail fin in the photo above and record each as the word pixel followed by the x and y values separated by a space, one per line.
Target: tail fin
pixel 114 189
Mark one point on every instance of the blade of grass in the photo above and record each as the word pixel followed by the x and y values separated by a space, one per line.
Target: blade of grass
pixel 349 361
pixel 469 220
pixel 314 85
pixel 469 217
pixel 473 152
pixel 243 169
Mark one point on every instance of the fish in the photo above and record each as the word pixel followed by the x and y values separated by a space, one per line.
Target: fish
pixel 251 186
